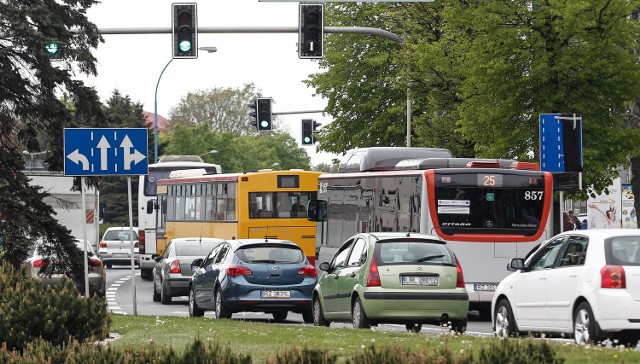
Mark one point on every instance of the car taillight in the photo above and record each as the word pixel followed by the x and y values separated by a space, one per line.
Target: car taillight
pixel 373 280
pixel 238 270
pixel 103 244
pixel 612 276
pixel 175 267
pixel 136 245
pixel 96 263
pixel 460 280
pixel 142 240
pixel 308 270
pixel 39 263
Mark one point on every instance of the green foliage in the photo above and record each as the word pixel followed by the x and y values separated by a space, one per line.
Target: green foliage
pixel 54 315
pixel 238 154
pixel 518 351
pixel 294 355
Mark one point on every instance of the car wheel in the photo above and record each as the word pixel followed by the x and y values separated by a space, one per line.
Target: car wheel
pixel 145 274
pixel 584 325
pixel 221 310
pixel 107 265
pixel 358 316
pixel 505 323
pixel 307 317
pixel 194 311
pixel 165 299
pixel 459 326
pixel 156 295
pixel 413 327
pixel 280 316
pixel 318 315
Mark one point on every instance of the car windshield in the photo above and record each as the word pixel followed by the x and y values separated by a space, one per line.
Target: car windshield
pixel 119 235
pixel 195 248
pixel 412 252
pixel 270 254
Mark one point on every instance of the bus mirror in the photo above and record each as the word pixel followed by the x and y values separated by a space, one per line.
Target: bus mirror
pixel 317 210
pixel 150 205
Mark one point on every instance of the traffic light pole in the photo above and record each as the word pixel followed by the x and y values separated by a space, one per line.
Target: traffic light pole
pixel 155 114
pixel 236 30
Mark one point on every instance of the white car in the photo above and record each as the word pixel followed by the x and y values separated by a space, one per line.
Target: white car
pixel 115 246
pixel 584 283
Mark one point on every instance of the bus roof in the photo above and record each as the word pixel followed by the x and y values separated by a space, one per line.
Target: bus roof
pixel 385 158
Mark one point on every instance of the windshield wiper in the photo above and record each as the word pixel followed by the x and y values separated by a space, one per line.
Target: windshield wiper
pixel 429 257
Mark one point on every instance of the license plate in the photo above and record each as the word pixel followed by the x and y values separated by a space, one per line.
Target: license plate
pixel 275 294
pixel 120 254
pixel 485 287
pixel 420 280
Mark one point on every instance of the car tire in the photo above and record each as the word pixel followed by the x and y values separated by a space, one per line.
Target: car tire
pixel 459 326
pixel 194 311
pixel 358 316
pixel 156 295
pixel 280 316
pixel 504 321
pixel 413 327
pixel 307 317
pixel 318 314
pixel 221 310
pixel 165 299
pixel 146 274
pixel 584 325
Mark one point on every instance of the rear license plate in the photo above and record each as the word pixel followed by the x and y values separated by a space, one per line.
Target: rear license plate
pixel 485 287
pixel 420 280
pixel 275 294
pixel 120 254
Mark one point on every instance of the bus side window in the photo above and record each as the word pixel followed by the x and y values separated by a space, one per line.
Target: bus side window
pixel 317 210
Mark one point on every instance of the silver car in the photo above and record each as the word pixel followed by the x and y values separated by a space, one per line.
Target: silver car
pixel 115 246
pixel 172 271
pixel 49 274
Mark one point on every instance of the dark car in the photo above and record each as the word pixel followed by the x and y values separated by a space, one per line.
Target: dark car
pixel 172 271
pixel 271 276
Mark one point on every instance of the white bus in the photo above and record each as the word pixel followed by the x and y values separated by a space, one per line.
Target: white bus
pixel 488 210
pixel 147 208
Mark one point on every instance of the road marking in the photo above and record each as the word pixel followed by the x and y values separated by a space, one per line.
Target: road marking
pixel 112 305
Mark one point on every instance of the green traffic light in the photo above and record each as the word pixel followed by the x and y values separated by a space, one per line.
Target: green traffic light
pixel 264 124
pixel 307 140
pixel 52 48
pixel 185 46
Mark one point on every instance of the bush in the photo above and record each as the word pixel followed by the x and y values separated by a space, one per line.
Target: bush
pixel 55 315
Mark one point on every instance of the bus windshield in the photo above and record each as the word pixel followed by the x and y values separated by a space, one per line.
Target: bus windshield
pixel 507 205
pixel 156 174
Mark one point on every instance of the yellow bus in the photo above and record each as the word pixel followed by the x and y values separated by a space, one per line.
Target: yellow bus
pixel 263 204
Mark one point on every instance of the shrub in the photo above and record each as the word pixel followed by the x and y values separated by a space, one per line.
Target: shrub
pixel 53 314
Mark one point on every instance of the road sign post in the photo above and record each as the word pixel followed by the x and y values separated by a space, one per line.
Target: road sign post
pixel 107 152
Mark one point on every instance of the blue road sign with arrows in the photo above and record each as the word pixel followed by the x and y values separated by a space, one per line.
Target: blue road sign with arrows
pixel 105 151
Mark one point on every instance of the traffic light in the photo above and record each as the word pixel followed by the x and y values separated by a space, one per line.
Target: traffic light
pixel 307 132
pixel 263 106
pixel 311 31
pixel 254 114
pixel 184 33
pixel 53 50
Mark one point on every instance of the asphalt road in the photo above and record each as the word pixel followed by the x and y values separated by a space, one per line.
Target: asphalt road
pixel 120 300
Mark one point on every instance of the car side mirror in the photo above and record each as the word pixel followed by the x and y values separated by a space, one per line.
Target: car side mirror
pixel 515 264
pixel 324 266
pixel 196 264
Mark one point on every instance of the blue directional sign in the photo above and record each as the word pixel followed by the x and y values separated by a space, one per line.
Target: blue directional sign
pixel 105 151
pixel 560 143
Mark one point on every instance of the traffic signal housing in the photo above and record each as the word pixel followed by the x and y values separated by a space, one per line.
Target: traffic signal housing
pixel 253 114
pixel 184 33
pixel 307 132
pixel 311 31
pixel 263 108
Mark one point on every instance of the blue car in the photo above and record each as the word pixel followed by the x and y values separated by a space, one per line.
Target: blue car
pixel 257 275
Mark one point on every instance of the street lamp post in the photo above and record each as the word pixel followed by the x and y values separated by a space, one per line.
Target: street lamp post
pixel 155 103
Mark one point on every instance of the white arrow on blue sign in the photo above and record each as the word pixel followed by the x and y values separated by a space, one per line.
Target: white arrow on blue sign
pixel 105 151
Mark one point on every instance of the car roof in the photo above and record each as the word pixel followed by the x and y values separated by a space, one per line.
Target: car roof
pixel 121 228
pixel 602 233
pixel 400 235
pixel 242 242
pixel 196 239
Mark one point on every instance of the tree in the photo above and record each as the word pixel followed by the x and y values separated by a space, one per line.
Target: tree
pixel 31 99
pixel 238 154
pixel 220 109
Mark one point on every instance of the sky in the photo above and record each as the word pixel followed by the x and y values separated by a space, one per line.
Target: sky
pixel 132 64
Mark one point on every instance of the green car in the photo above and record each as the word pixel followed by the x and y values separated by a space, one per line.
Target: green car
pixel 410 279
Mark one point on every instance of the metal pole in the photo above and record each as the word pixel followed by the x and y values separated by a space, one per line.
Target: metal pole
pixel 133 262
pixel 409 104
pixel 84 236
pixel 155 114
